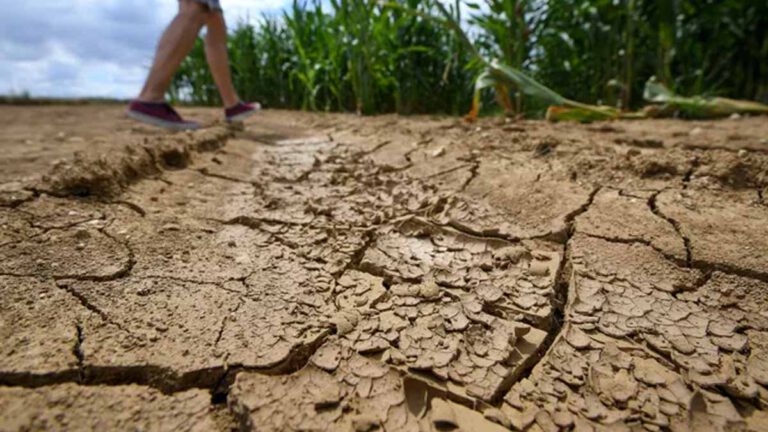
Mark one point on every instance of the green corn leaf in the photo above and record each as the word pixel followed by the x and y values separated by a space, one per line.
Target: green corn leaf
pixel 581 114
pixel 526 84
pixel 485 80
pixel 657 92
pixel 696 106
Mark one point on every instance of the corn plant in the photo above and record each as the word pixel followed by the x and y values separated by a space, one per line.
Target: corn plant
pixel 506 26
pixel 360 56
pixel 500 76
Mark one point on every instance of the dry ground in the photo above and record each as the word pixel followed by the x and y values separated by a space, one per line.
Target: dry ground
pixel 330 272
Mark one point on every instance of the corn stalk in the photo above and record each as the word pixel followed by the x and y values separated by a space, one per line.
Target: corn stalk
pixel 500 76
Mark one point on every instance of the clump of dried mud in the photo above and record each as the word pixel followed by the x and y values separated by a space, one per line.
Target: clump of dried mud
pixel 393 274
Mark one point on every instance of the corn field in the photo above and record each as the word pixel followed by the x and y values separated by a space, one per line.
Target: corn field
pixel 373 57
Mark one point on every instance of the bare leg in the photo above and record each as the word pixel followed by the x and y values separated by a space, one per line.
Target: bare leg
pixel 218 59
pixel 176 43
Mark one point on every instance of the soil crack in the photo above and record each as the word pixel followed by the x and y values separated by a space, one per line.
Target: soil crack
pixel 729 269
pixel 469 232
pixel 62 284
pixel 375 148
pixel 226 319
pixel 690 172
pixel 216 379
pixel 256 222
pixel 130 206
pixel 448 171
pixel 77 350
pixel 638 241
pixel 357 256
pixel 474 171
pixel 563 281
pixel 109 175
pixel 652 204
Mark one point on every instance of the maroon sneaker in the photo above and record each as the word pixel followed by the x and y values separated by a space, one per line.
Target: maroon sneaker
pixel 159 114
pixel 241 111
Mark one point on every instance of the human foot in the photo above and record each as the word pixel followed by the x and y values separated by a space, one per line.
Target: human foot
pixel 159 114
pixel 241 111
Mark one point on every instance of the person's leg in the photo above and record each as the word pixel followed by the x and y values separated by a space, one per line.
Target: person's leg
pixel 218 62
pixel 175 44
pixel 218 59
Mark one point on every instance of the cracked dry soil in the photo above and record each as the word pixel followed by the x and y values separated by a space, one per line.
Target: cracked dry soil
pixel 330 272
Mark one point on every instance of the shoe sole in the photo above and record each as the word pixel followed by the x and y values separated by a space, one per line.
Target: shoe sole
pixel 245 115
pixel 154 121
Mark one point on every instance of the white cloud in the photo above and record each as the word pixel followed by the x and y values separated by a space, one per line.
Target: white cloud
pixel 89 47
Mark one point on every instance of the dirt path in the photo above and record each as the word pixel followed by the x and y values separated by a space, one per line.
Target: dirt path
pixel 326 272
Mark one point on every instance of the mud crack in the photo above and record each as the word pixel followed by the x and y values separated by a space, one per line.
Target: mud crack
pixel 558 300
pixel 690 172
pixel 375 148
pixel 298 360
pixel 449 171
pixel 65 286
pixel 108 175
pixel 216 379
pixel 130 206
pixel 77 350
pixel 638 241
pixel 357 256
pixel 675 224
pixel 474 171
pixel 469 232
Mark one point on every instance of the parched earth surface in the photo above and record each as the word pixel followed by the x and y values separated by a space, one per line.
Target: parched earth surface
pixel 331 272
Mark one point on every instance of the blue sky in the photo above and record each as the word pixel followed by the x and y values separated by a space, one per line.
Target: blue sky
pixel 79 48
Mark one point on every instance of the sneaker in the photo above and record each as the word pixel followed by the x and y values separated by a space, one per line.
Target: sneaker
pixel 241 111
pixel 159 114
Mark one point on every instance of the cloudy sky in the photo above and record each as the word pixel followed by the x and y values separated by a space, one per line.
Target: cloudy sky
pixel 77 48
